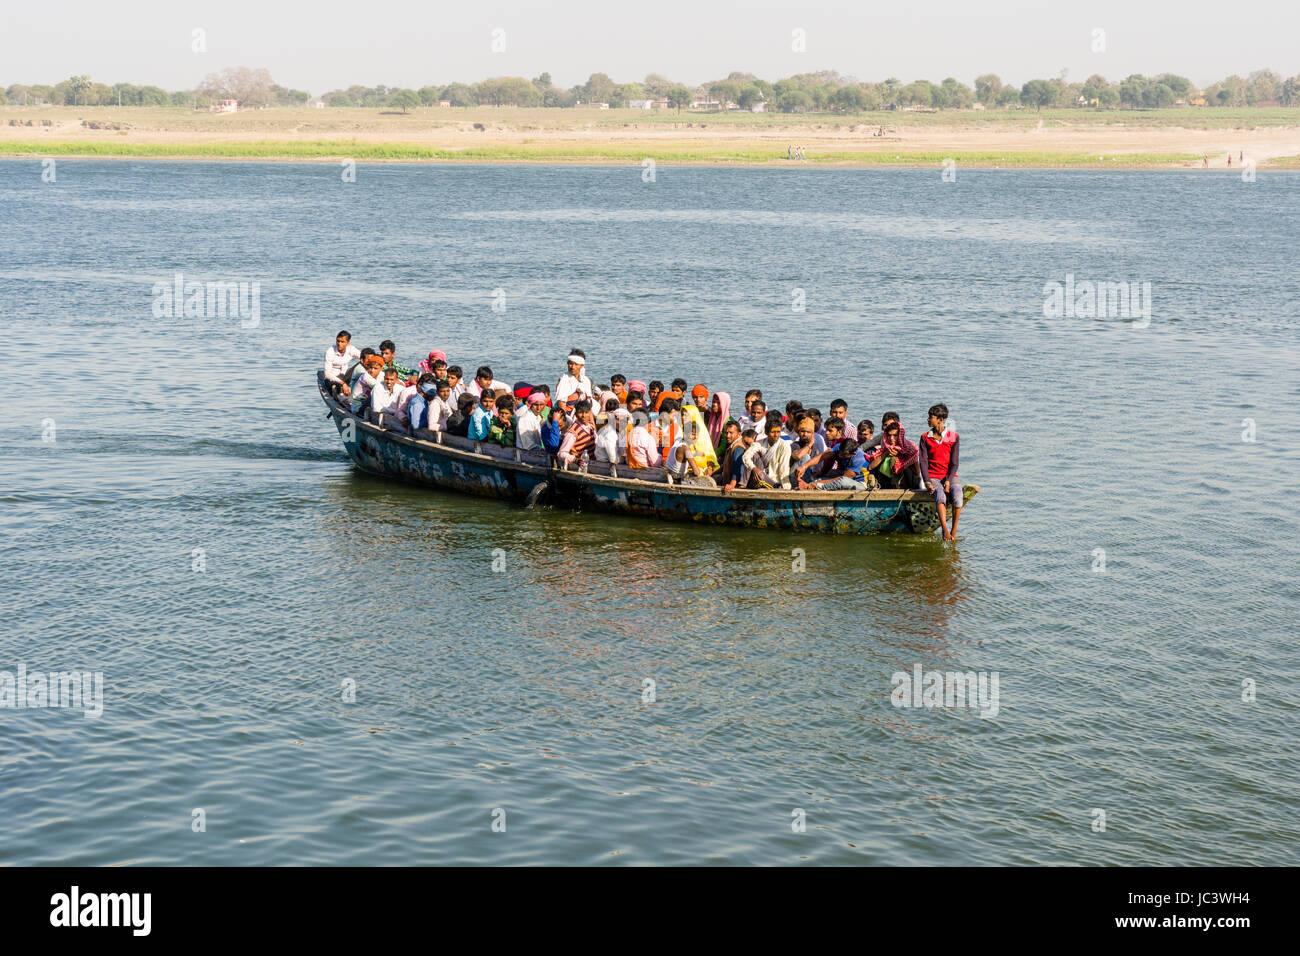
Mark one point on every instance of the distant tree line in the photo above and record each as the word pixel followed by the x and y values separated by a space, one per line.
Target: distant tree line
pixel 250 87
pixel 825 91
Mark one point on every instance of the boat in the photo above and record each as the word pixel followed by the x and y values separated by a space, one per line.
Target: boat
pixel 493 471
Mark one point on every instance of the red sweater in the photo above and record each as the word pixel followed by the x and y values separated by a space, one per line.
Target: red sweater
pixel 939 456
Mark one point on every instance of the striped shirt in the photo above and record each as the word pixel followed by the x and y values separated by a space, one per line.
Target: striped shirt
pixel 579 439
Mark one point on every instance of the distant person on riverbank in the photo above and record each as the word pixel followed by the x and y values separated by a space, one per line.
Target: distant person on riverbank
pixel 939 450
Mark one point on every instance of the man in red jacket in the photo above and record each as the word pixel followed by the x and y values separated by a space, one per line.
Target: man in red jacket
pixel 939 447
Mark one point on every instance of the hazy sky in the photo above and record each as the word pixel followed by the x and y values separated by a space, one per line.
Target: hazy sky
pixel 325 45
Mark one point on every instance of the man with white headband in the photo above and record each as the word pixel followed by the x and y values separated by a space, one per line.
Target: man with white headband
pixel 574 386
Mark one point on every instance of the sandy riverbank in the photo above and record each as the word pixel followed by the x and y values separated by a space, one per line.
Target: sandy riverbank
pixel 1066 138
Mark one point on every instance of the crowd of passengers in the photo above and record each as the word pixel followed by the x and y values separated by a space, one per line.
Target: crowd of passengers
pixel 694 434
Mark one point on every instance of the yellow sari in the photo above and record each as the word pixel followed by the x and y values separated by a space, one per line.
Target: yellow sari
pixel 695 435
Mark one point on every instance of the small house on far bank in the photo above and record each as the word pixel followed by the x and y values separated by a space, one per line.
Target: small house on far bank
pixel 226 106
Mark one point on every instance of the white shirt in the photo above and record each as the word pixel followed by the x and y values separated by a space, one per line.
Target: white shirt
pixel 568 384
pixel 528 430
pixel 382 401
pixel 607 443
pixel 473 387
pixel 404 396
pixel 775 460
pixel 670 458
pixel 362 383
pixel 415 408
pixel 336 364
pixel 439 412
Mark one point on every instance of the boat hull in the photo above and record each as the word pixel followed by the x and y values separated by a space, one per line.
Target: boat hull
pixel 487 472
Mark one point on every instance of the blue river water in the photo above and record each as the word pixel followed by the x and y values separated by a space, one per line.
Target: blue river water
pixel 305 665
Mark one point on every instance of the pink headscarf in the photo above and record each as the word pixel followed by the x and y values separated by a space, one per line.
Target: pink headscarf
pixel 717 421
pixel 637 386
pixel 427 364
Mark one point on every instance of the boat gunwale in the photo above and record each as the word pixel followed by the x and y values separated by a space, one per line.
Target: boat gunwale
pixel 640 484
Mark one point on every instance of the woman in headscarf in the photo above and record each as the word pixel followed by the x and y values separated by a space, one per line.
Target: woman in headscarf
pixel 426 365
pixel 719 415
pixel 695 447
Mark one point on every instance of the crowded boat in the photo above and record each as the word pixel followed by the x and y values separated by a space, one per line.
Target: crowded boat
pixel 694 433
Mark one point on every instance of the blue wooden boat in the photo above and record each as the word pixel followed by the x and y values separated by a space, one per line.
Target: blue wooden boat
pixel 489 470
